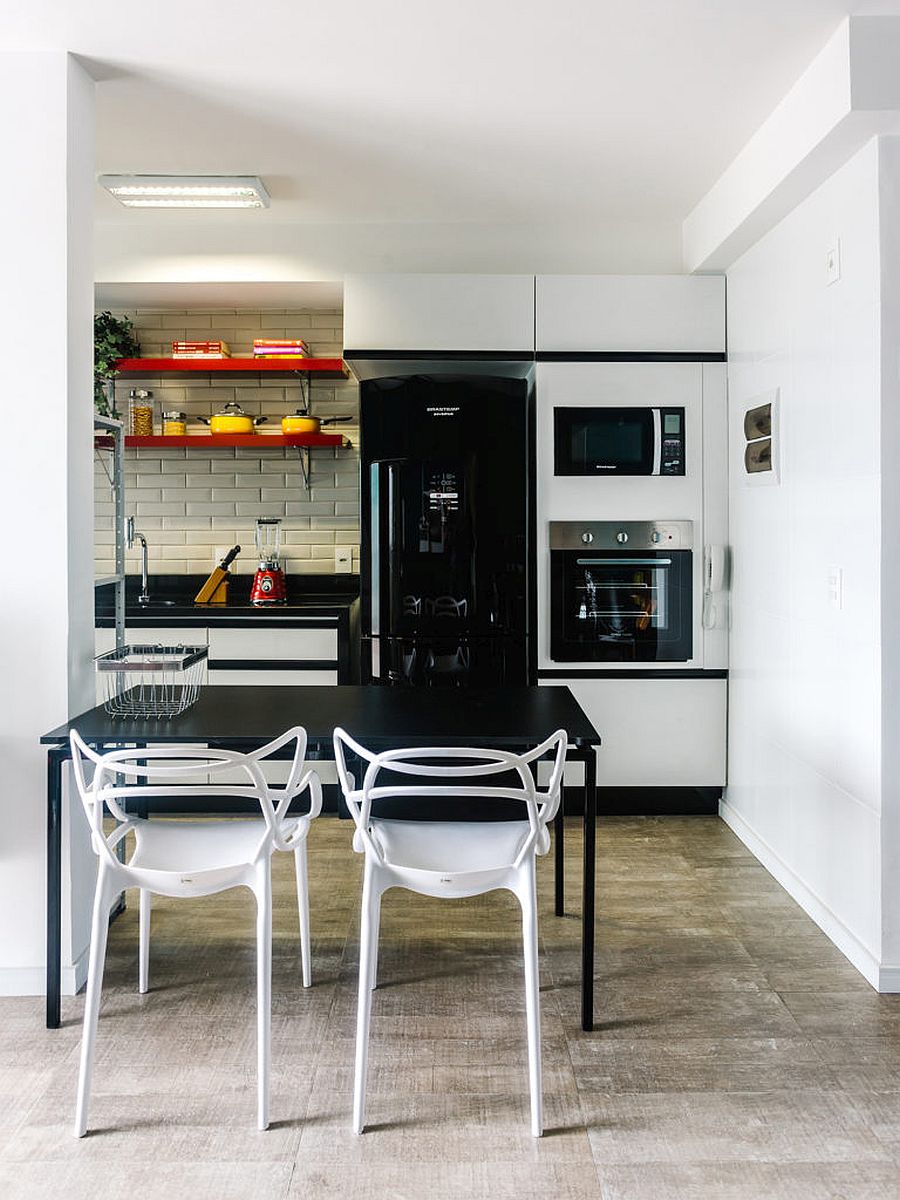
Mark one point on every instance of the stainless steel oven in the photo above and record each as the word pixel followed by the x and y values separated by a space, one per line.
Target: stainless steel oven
pixel 618 440
pixel 621 591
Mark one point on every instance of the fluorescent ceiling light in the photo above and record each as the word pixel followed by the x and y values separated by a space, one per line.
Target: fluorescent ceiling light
pixel 187 191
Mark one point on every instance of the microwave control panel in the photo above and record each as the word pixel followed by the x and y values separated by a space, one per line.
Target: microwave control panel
pixel 671 460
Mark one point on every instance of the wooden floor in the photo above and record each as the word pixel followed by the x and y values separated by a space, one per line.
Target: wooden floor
pixel 737 1056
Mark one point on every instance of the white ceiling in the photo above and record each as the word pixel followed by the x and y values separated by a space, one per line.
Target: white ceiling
pixel 506 134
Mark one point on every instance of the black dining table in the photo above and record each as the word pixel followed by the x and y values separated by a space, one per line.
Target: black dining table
pixel 246 717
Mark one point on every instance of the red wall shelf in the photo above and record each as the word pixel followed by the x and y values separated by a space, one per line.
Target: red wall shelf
pixel 323 368
pixel 199 441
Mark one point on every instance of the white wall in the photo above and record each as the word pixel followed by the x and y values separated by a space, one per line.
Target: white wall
pixel 804 728
pixel 46 592
pixel 889 214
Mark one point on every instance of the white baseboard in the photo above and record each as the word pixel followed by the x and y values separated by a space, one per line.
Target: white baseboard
pixel 883 979
pixel 889 979
pixel 32 981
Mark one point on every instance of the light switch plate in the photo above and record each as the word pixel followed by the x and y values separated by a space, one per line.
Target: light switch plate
pixel 833 262
pixel 343 560
pixel 836 587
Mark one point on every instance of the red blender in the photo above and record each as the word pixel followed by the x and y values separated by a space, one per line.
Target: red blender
pixel 268 583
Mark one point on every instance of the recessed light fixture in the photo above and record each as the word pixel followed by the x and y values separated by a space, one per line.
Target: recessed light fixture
pixel 187 191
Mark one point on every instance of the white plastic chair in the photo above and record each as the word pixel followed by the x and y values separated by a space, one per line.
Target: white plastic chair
pixel 192 858
pixel 449 859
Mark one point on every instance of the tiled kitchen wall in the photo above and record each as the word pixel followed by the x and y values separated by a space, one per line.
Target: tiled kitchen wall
pixel 192 504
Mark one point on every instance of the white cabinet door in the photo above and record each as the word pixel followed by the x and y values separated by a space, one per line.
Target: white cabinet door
pixel 282 644
pixel 662 313
pixel 291 678
pixel 161 635
pixel 656 732
pixel 439 312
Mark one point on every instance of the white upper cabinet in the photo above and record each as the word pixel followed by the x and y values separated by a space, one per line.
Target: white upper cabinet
pixel 640 313
pixel 439 312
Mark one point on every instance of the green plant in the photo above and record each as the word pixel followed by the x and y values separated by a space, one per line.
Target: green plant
pixel 113 339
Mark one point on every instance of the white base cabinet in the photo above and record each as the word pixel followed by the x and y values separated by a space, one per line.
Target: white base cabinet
pixel 656 732
pixel 289 678
pixel 259 645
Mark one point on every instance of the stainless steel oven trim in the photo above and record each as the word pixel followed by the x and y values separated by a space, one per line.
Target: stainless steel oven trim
pixel 593 536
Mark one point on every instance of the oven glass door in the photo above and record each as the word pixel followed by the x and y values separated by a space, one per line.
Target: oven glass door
pixel 620 606
pixel 606 441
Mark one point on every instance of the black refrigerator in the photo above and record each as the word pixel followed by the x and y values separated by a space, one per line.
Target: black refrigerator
pixel 447 539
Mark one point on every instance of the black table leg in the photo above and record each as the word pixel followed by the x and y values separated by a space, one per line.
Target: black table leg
pixel 55 758
pixel 587 890
pixel 559 863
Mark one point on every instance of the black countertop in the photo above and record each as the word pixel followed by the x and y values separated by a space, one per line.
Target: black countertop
pixel 309 596
pixel 377 716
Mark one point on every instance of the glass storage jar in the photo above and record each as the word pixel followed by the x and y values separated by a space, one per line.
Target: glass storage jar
pixel 174 424
pixel 141 412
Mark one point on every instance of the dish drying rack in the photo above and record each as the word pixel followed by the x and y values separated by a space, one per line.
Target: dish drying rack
pixel 151 682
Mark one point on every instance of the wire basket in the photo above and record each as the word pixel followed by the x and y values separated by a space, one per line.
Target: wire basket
pixel 151 681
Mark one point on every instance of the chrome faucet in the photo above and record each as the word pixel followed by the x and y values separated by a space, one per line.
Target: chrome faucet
pixel 130 534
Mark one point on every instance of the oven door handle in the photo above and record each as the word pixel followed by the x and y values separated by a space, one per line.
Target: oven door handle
pixel 623 562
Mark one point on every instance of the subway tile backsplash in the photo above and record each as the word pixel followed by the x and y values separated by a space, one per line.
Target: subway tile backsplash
pixel 192 504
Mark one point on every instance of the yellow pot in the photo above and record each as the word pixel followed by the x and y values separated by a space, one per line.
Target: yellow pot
pixel 232 419
pixel 231 424
pixel 298 423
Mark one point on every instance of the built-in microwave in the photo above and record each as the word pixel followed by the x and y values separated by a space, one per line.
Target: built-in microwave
pixel 612 440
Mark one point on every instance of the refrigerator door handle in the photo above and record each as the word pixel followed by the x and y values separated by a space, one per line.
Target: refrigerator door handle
pixel 376 657
pixel 394 535
pixel 375 550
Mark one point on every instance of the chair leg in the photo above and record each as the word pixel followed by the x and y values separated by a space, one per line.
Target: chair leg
pixel 263 892
pixel 103 897
pixel 528 900
pixel 144 947
pixel 376 936
pixel 368 924
pixel 300 869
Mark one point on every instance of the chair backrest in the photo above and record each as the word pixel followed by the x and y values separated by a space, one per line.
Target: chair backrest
pixel 116 775
pixel 443 762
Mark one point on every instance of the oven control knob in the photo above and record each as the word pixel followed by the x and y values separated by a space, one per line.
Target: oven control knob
pixel 587 538
pixel 655 536
pixel 621 537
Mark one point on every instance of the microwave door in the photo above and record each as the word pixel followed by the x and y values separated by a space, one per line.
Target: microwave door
pixel 607 440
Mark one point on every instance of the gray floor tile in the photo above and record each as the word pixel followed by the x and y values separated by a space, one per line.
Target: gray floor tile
pixel 737 1054
pixel 514 1180
pixel 767 1126
pixel 750 1181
